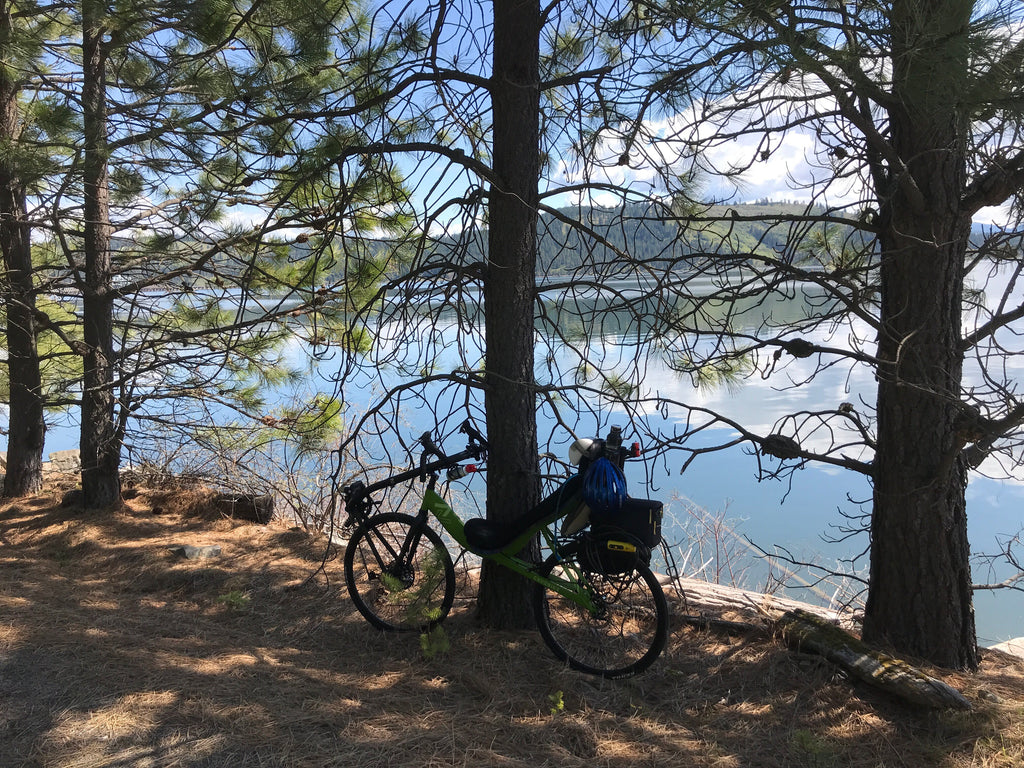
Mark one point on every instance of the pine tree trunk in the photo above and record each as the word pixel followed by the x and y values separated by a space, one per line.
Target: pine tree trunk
pixel 920 599
pixel 27 427
pixel 99 448
pixel 513 483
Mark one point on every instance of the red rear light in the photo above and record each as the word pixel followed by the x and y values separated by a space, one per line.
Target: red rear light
pixel 636 450
pixel 471 468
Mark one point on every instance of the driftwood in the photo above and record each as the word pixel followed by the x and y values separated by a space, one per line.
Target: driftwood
pixel 814 634
pixel 817 630
pixel 721 597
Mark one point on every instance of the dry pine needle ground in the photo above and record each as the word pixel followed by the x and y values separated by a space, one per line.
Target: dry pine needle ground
pixel 116 652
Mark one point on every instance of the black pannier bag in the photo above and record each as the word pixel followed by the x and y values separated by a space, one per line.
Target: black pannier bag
pixel 617 542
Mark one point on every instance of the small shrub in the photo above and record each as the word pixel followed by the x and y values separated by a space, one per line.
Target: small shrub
pixel 235 600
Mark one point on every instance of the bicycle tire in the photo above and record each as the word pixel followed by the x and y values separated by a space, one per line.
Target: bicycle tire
pixel 395 592
pixel 622 638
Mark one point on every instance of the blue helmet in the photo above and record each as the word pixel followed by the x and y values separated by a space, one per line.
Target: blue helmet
pixel 604 487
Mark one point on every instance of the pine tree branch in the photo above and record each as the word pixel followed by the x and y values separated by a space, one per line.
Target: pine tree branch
pixel 1002 180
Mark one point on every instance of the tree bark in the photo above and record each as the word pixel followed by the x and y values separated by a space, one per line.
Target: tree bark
pixel 513 483
pixel 100 447
pixel 27 426
pixel 919 600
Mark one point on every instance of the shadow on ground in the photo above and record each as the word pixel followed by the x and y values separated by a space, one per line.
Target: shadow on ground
pixel 114 651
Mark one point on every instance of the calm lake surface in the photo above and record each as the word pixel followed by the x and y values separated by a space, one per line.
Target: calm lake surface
pixel 803 516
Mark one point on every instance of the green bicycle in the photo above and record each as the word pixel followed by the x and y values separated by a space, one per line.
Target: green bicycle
pixel 598 606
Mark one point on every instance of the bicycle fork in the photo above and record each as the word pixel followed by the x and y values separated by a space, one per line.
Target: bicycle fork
pixel 397 563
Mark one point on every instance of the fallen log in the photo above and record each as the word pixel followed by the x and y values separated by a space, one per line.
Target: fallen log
pixel 718 598
pixel 814 634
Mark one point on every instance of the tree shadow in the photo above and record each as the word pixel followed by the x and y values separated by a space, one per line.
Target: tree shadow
pixel 116 652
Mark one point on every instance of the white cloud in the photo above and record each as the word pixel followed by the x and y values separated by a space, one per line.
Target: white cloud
pixel 779 161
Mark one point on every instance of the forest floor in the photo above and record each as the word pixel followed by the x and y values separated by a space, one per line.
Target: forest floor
pixel 115 651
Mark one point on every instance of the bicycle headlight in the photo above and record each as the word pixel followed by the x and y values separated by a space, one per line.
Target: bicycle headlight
pixel 585 446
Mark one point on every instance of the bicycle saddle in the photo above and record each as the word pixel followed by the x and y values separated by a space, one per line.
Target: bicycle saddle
pixel 487 537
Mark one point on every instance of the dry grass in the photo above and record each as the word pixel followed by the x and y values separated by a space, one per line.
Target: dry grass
pixel 116 652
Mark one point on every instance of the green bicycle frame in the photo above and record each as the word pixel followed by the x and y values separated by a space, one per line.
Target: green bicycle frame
pixel 571 589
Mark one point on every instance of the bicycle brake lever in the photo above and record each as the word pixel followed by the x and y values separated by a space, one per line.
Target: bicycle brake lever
pixel 428 443
pixel 474 435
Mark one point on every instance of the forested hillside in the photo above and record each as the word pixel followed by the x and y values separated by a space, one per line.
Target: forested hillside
pixel 651 234
pixel 573 238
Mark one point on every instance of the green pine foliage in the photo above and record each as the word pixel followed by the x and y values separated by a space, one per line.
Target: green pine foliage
pixel 246 212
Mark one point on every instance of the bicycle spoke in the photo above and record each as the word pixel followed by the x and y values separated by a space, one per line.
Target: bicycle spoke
pixel 621 636
pixel 399 574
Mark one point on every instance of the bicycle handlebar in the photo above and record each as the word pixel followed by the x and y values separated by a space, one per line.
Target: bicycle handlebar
pixel 476 449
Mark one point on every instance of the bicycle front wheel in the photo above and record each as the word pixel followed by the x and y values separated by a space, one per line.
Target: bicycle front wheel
pixel 399 573
pixel 623 634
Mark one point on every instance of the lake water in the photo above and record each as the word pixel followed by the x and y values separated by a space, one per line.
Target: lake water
pixel 804 516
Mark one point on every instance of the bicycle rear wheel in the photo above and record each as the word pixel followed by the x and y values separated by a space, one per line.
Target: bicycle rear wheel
pixel 399 573
pixel 621 637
